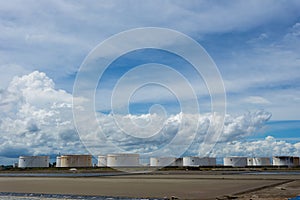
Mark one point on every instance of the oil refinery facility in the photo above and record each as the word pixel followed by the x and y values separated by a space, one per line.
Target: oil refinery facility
pixel 133 160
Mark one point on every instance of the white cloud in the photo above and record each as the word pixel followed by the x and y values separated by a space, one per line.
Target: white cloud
pixel 244 125
pixel 263 147
pixel 256 100
pixel 149 132
pixel 36 118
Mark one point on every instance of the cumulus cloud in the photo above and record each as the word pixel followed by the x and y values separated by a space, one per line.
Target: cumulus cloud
pixel 244 125
pixel 36 118
pixel 181 132
pixel 268 146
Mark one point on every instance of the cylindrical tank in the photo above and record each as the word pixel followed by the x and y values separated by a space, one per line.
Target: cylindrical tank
pixel 102 161
pixel 296 161
pixel 76 161
pixel 33 161
pixel 260 161
pixel 249 161
pixel 235 161
pixel 178 162
pixel 285 161
pixel 191 161
pixel 163 161
pixel 123 160
pixel 58 162
pixel 198 161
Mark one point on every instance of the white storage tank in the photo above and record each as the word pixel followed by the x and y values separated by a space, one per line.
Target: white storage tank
pixel 76 161
pixel 123 160
pixel 102 161
pixel 258 161
pixel 178 162
pixel 191 161
pixel 33 161
pixel 296 161
pixel 235 161
pixel 58 162
pixel 249 161
pixel 163 161
pixel 285 161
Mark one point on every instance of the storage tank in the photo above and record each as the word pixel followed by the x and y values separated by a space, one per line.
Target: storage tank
pixel 33 161
pixel 258 161
pixel 76 161
pixel 191 161
pixel 58 162
pixel 235 161
pixel 123 160
pixel 296 161
pixel 285 161
pixel 249 161
pixel 102 161
pixel 178 162
pixel 163 161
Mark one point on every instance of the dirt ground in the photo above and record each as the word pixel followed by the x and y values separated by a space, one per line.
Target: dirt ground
pixel 283 191
pixel 163 185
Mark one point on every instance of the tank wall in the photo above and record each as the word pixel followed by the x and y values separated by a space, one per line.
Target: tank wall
pixel 33 161
pixel 123 160
pixel 190 161
pixel 102 161
pixel 199 161
pixel 161 162
pixel 235 161
pixel 76 161
pixel 212 161
pixel 282 161
pixel 260 161
pixel 296 161
pixel 249 161
pixel 207 161
pixel 285 161
pixel 179 162
pixel 58 163
pixel 279 161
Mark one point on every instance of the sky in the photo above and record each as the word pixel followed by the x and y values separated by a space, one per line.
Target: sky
pixel 255 46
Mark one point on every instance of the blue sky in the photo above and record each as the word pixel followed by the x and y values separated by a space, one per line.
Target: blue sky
pixel 255 45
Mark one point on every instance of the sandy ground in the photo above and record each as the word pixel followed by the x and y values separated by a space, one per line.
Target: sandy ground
pixel 283 191
pixel 182 186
